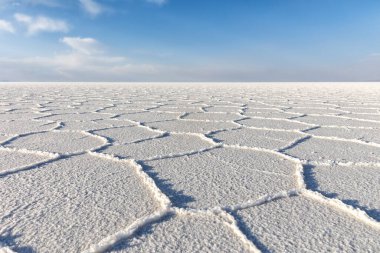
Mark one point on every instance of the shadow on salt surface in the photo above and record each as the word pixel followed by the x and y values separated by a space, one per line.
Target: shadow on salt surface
pixel 125 244
pixel 178 198
pixel 31 167
pixel 250 233
pixel 8 240
pixel 312 184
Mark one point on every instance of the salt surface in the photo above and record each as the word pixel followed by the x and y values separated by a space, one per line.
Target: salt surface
pixel 189 167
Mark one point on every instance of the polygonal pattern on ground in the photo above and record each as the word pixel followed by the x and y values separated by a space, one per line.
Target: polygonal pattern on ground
pixel 163 168
pixel 187 126
pixel 319 149
pixel 273 124
pixel 25 126
pixel 257 138
pixel 127 134
pixel 159 147
pixel 13 159
pixel 70 204
pixel 185 233
pixel 299 224
pixel 57 142
pixel 222 177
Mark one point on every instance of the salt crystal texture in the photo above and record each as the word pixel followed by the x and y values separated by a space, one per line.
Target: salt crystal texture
pixel 189 167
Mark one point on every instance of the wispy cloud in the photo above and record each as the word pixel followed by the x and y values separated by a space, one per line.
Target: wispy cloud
pixel 6 26
pixel 92 7
pixel 158 2
pixel 85 54
pixel 84 62
pixel 82 45
pixel 38 24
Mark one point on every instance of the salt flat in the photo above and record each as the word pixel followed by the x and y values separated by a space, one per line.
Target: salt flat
pixel 110 167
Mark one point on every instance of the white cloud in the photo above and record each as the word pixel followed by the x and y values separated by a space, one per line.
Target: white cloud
pixel 23 18
pixel 6 26
pixel 158 2
pixel 85 62
pixel 82 45
pixel 38 24
pixel 92 7
pixel 85 55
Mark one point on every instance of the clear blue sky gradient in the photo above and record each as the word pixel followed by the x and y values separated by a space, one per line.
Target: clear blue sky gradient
pixel 208 40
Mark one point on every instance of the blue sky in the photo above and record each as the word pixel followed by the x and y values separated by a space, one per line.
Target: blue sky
pixel 179 40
